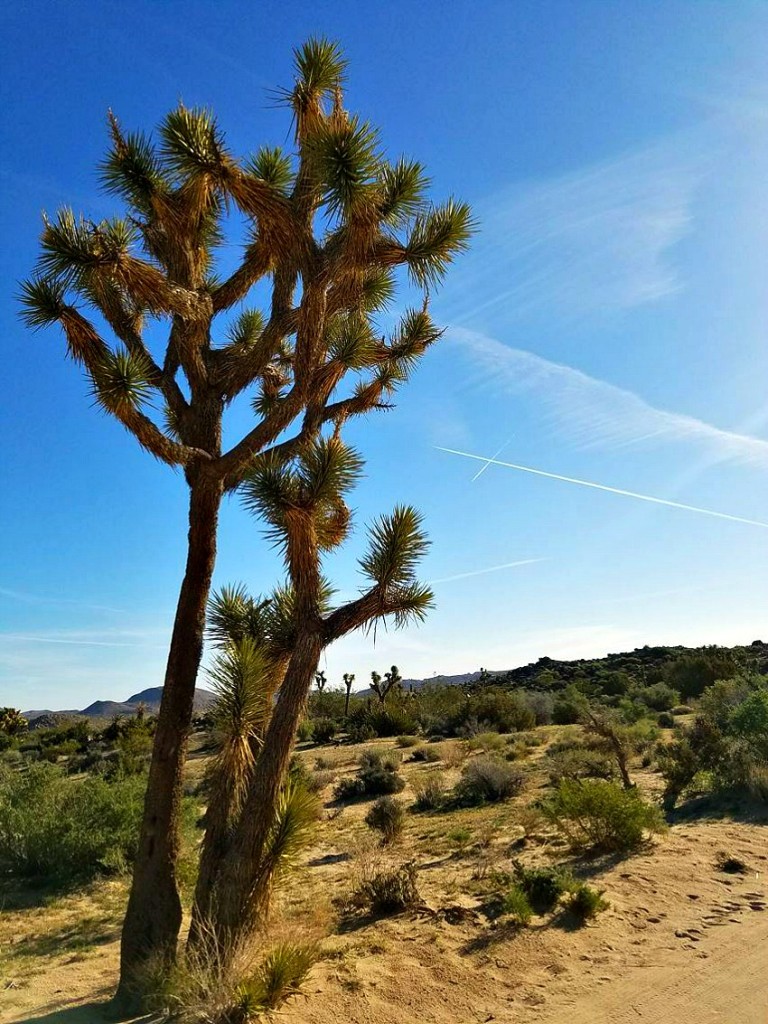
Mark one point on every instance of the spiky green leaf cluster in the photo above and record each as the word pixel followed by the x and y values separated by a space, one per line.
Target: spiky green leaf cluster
pixel 246 328
pixel 72 248
pixel 351 342
pixel 396 544
pixel 240 676
pixel 122 382
pixel 314 482
pixel 133 171
pixel 347 161
pixel 272 166
pixel 192 142
pixel 320 70
pixel 42 301
pixel 404 188
pixel 436 238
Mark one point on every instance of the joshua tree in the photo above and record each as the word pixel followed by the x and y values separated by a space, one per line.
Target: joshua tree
pixel 382 687
pixel 329 226
pixel 12 721
pixel 159 264
pixel 303 501
pixel 320 681
pixel 349 678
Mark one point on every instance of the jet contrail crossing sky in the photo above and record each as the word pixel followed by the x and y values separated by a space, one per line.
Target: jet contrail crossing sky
pixel 604 487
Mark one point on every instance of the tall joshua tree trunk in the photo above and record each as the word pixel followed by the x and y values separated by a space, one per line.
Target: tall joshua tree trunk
pixel 153 917
pixel 242 884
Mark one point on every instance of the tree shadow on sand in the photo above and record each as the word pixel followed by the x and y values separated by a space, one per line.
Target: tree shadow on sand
pixel 88 1013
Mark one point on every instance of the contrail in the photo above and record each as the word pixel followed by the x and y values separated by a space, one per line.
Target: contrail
pixel 488 462
pixel 610 490
pixel 482 572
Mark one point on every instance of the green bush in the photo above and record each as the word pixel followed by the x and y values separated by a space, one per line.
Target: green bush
pixel 487 779
pixel 429 790
pixel 429 753
pixel 666 720
pixel 407 741
pixel 323 730
pixel 542 886
pixel 659 697
pixel 487 741
pixel 601 815
pixel 516 905
pixel 305 730
pixel 377 776
pixel 387 816
pixel 67 829
pixel 585 902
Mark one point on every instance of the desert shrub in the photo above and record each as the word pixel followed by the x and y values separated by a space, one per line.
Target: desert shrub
pixel 389 891
pixel 730 864
pixel 323 730
pixel 659 697
pixel 542 886
pixel 585 902
pixel 567 707
pixel 542 705
pixel 281 975
pixel 318 780
pixel 429 790
pixel 666 720
pixel 389 760
pixel 601 815
pixel 407 741
pixel 487 779
pixel 460 837
pixel 682 709
pixel 65 829
pixel 387 816
pixel 580 761
pixel 428 753
pixel 377 776
pixel 380 720
pixel 516 905
pixel 726 746
pixel 305 730
pixel 487 741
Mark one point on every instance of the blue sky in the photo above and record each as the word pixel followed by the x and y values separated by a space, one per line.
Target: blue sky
pixel 609 325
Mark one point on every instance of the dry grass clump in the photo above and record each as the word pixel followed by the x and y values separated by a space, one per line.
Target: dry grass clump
pixel 387 816
pixel 204 988
pixel 429 790
pixel 389 891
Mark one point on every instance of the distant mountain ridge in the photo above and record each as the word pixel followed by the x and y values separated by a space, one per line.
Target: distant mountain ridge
pixel 149 698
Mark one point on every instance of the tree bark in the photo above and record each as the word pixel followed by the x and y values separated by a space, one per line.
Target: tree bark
pixel 153 917
pixel 242 886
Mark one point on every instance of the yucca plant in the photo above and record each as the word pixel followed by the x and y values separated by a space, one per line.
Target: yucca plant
pixel 302 500
pixel 329 224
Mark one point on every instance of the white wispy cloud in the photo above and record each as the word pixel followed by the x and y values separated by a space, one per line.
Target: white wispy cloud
pixel 24 597
pixel 597 239
pixel 591 412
